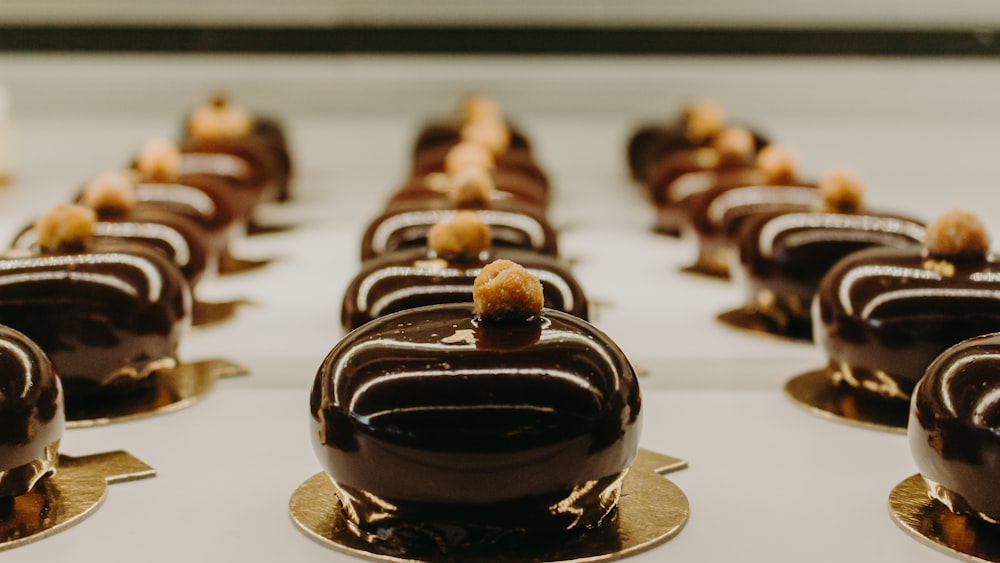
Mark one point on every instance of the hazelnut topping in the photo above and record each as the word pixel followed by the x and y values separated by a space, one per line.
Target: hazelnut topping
pixel 477 107
pixel 777 164
pixel 465 235
pixel 65 225
pixel 159 159
pixel 467 153
pixel 506 291
pixel 491 133
pixel 220 120
pixel 956 234
pixel 470 187
pixel 702 120
pixel 842 192
pixel 734 143
pixel 109 192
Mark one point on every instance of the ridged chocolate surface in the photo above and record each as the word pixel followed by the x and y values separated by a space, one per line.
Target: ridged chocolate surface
pixel 407 279
pixel 429 408
pixel 890 312
pixel 954 428
pixel 785 255
pixel 116 309
pixel 512 226
pixel 32 419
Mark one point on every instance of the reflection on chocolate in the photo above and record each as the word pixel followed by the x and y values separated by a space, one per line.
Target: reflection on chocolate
pixel 783 257
pixel 512 226
pixel 106 317
pixel 32 419
pixel 882 315
pixel 406 279
pixel 953 429
pixel 436 425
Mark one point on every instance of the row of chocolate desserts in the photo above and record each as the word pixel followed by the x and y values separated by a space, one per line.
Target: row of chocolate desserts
pixel 474 194
pixel 895 305
pixel 471 409
pixel 96 295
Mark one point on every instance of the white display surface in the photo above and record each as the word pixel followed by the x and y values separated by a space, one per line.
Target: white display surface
pixel 766 481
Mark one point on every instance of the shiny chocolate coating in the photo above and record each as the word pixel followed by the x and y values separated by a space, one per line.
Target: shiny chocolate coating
pixel 783 257
pixel 718 214
pixel 412 278
pixel 882 314
pixel 512 226
pixel 953 428
pixel 245 163
pixel 106 315
pixel 32 419
pixel 445 418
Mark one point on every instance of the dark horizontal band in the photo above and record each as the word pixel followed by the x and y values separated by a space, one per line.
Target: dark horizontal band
pixel 501 40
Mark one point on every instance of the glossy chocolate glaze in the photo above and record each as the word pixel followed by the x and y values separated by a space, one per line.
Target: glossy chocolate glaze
pixel 412 278
pixel 696 175
pixel 245 163
pixel 512 225
pixel 954 427
pixel 202 199
pixel 32 419
pixel 717 215
pixel 179 239
pixel 435 135
pixel 446 418
pixel 508 186
pixel 783 257
pixel 514 160
pixel 882 315
pixel 105 315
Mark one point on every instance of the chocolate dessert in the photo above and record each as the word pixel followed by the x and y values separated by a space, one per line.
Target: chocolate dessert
pixel 730 163
pixel 448 427
pixel 221 127
pixel 107 313
pixel 500 186
pixel 784 255
pixel 696 126
pixel 883 314
pixel 517 165
pixel 444 272
pixel 953 436
pixel 718 215
pixel 32 420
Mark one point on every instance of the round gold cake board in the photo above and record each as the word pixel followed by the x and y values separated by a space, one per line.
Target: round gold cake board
pixel 754 321
pixel 207 313
pixel 65 499
pixel 817 393
pixel 703 270
pixel 173 389
pixel 933 523
pixel 651 511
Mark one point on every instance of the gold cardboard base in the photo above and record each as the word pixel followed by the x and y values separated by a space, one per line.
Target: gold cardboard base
pixel 173 389
pixel 934 524
pixel 65 499
pixel 817 393
pixel 705 270
pixel 651 511
pixel 229 264
pixel 759 323
pixel 205 313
